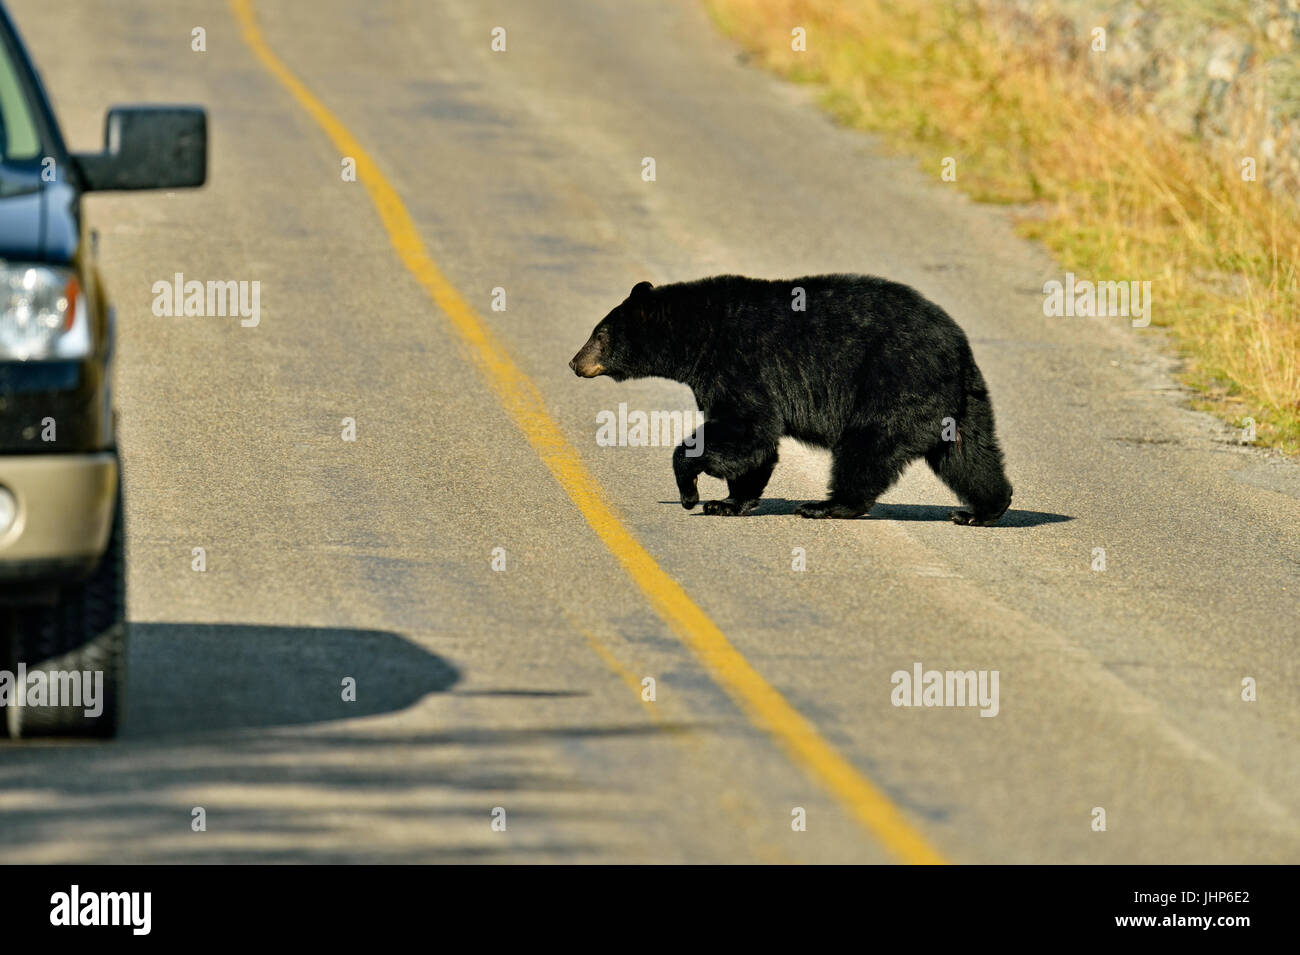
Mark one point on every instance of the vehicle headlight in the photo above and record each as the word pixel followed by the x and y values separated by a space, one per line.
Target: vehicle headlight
pixel 42 314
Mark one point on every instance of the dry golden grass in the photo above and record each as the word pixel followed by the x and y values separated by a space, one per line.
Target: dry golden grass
pixel 1125 197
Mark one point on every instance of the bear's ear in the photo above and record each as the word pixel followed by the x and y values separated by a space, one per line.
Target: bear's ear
pixel 640 289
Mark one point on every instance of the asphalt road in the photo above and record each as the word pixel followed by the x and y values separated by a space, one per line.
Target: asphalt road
pixel 521 689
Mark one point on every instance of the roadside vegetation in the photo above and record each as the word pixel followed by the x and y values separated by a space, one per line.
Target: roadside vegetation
pixel 1115 194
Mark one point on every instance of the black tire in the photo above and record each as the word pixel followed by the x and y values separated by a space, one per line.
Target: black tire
pixel 84 630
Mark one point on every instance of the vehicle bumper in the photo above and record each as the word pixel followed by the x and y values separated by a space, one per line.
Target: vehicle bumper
pixel 63 513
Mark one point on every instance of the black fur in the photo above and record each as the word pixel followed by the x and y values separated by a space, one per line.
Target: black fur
pixel 870 370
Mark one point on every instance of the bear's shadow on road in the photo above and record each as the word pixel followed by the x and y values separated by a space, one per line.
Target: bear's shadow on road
pixel 783 506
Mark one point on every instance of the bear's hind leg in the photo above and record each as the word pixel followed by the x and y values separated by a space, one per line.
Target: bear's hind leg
pixel 972 468
pixel 863 466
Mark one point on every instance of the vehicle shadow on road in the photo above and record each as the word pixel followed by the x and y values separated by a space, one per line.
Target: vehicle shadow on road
pixel 778 506
pixel 188 677
pixel 218 717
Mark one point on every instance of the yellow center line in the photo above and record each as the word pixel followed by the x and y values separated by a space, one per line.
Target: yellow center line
pixel 735 804
pixel 760 701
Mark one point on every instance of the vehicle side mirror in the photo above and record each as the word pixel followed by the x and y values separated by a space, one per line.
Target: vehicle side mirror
pixel 149 147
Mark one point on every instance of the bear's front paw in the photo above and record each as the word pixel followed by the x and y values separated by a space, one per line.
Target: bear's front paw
pixel 967 519
pixel 690 496
pixel 729 507
pixel 814 509
pixel 824 509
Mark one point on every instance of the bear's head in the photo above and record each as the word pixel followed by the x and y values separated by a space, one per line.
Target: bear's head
pixel 618 346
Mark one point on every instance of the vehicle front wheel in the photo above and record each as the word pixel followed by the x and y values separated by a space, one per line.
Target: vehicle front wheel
pixel 73 641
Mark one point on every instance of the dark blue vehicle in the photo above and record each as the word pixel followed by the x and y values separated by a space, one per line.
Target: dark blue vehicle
pixel 62 599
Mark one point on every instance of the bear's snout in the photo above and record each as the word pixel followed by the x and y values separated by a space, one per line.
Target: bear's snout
pixel 586 364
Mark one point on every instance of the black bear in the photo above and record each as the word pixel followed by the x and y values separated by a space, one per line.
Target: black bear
pixel 868 368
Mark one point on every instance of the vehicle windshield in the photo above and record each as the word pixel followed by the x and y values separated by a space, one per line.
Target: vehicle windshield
pixel 20 140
